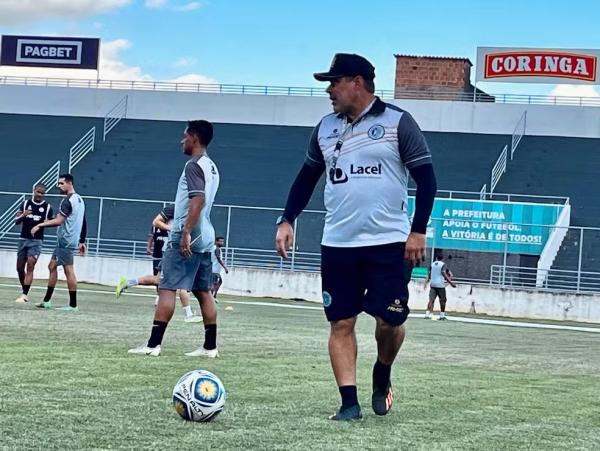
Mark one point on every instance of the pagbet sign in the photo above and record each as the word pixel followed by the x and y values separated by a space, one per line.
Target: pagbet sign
pixel 537 65
pixel 43 51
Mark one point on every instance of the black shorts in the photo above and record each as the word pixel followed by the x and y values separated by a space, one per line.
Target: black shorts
pixel 371 279
pixel 435 292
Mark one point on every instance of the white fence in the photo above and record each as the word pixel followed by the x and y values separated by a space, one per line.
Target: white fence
pixel 7 219
pixel 81 148
pixel 50 178
pixel 518 133
pixel 296 91
pixel 114 116
pixel 498 169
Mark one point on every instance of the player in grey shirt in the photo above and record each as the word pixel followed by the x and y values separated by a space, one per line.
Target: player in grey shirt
pixel 186 262
pixel 70 237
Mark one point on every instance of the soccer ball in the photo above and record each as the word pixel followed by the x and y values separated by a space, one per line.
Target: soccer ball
pixel 199 396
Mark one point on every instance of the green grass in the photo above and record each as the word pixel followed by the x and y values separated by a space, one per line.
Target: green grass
pixel 66 381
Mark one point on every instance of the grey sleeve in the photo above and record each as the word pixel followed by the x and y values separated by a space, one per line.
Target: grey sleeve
pixel 314 155
pixel 194 176
pixel 411 143
pixel 66 208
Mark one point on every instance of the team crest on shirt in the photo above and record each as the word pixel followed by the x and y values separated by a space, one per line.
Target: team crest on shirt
pixel 41 209
pixel 377 131
pixel 326 299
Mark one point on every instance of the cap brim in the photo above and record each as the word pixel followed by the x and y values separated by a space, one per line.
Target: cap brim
pixel 325 76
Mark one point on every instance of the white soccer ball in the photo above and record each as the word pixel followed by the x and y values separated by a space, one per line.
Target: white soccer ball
pixel 199 396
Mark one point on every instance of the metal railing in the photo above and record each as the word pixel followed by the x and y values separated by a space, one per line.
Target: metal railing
pixel 518 133
pixel 482 193
pixel 554 279
pixel 50 178
pixel 498 169
pixel 7 219
pixel 114 116
pixel 530 198
pixel 297 91
pixel 254 249
pixel 81 148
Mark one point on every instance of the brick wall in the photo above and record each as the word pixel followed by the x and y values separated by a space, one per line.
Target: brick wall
pixel 429 73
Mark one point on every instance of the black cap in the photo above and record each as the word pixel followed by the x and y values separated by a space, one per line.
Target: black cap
pixel 347 65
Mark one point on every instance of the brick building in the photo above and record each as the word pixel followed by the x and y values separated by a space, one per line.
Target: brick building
pixel 435 77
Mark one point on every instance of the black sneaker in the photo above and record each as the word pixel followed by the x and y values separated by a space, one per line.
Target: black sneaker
pixel 382 400
pixel 347 414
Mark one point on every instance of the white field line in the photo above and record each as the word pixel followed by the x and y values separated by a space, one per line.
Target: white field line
pixel 461 319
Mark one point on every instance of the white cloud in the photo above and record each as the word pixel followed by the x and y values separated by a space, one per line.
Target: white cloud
pixel 155 4
pixel 574 91
pixel 192 6
pixel 112 67
pixel 185 62
pixel 13 12
pixel 195 78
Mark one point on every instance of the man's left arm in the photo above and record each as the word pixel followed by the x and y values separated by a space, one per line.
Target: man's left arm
pixel 416 157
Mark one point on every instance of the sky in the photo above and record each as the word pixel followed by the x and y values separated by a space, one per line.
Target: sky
pixel 281 43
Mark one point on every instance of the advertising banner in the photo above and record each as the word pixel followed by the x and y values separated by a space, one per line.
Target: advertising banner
pixel 490 226
pixel 529 65
pixel 41 51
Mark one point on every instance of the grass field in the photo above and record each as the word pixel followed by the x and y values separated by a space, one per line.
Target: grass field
pixel 66 382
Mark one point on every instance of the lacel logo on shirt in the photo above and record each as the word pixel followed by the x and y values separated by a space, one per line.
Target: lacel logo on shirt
pixel 365 170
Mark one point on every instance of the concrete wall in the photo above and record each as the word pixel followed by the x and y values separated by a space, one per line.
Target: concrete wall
pixel 463 117
pixel 307 286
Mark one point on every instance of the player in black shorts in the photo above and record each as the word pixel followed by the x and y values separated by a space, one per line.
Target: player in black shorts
pixel 159 236
pixel 33 211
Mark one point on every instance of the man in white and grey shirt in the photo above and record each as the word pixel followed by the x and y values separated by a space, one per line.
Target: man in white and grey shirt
pixel 438 274
pixel 367 148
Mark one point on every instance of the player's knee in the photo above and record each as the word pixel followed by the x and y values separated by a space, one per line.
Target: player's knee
pixel 342 327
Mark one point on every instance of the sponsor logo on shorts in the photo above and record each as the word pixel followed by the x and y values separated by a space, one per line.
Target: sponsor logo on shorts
pixel 396 307
pixel 326 299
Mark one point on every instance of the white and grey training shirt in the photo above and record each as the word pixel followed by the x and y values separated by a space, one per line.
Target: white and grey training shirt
pixel 366 195
pixel 200 177
pixel 438 268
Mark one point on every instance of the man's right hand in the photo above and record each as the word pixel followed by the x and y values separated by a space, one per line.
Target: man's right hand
pixel 284 239
pixel 23 214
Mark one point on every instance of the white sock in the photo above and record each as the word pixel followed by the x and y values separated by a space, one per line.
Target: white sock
pixel 427 313
pixel 187 311
pixel 442 314
pixel 156 301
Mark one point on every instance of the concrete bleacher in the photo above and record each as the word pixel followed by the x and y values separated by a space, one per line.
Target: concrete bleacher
pixel 30 144
pixel 142 159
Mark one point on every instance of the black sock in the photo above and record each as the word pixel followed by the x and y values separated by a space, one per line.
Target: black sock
pixel 26 289
pixel 73 299
pixel 158 331
pixel 21 277
pixel 349 396
pixel 210 336
pixel 381 375
pixel 49 292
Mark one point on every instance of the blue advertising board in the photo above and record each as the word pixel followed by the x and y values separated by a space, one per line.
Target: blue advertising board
pixel 45 51
pixel 490 226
